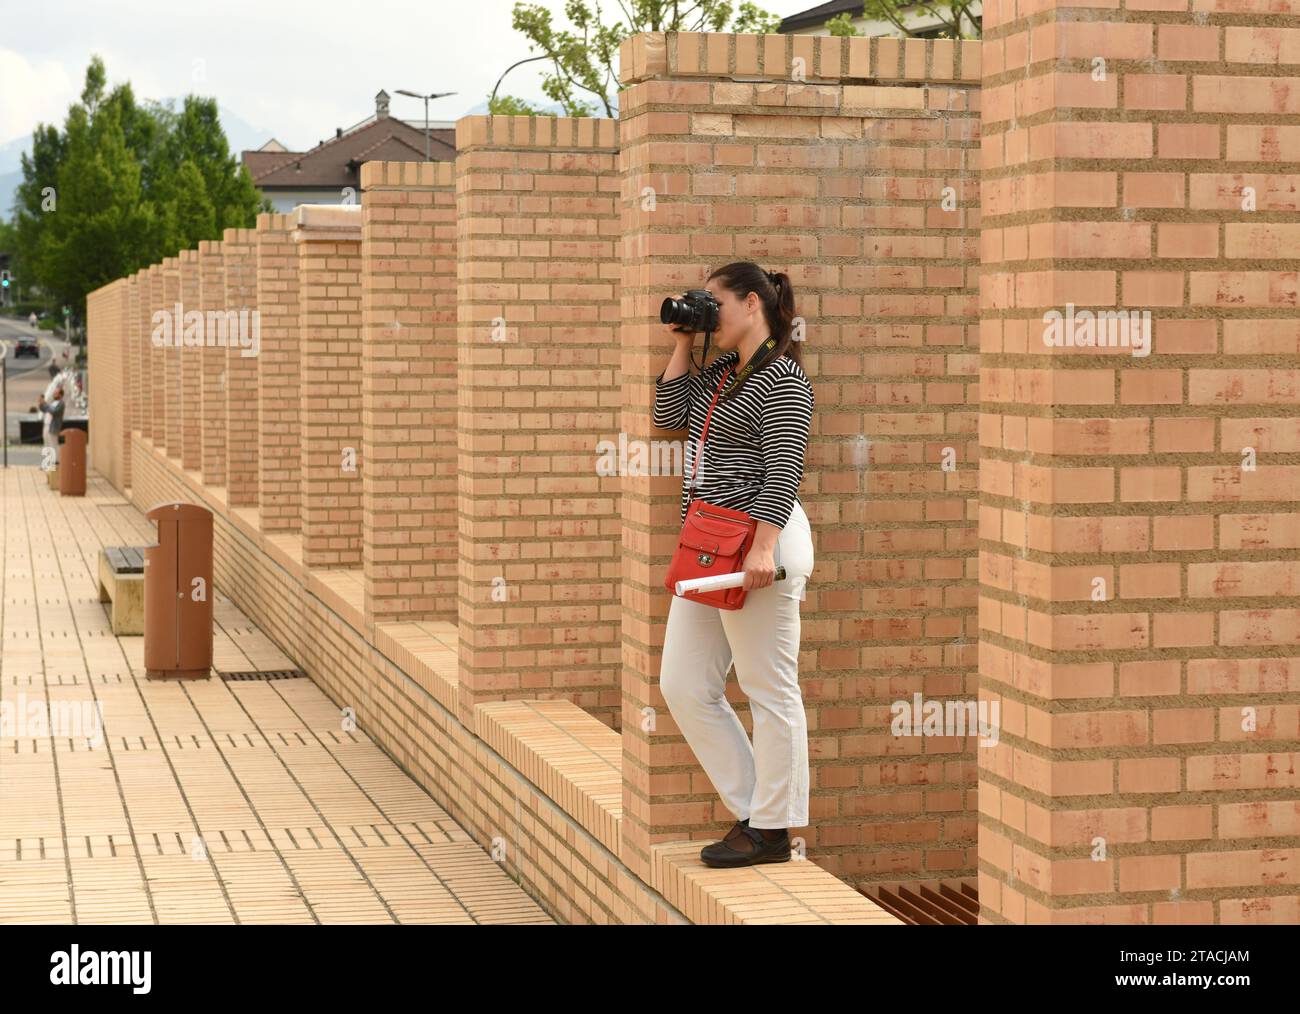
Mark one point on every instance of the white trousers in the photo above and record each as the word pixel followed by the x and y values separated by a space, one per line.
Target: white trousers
pixel 768 780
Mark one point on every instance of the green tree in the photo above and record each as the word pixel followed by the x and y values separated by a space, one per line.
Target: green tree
pixel 954 15
pixel 124 185
pixel 195 215
pixel 582 78
pixel 99 228
pixel 35 196
pixel 197 137
pixel 509 105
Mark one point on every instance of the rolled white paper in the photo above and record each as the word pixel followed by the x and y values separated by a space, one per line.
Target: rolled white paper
pixel 704 584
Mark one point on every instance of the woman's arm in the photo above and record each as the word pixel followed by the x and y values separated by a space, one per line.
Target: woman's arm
pixel 673 394
pixel 783 437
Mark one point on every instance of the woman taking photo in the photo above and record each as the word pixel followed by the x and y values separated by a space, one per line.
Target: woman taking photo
pixel 752 461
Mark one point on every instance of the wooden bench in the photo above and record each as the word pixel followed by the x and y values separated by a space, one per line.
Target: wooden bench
pixel 121 581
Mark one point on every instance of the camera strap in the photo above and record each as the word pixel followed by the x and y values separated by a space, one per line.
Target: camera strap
pixel 761 355
pixel 704 357
pixel 704 432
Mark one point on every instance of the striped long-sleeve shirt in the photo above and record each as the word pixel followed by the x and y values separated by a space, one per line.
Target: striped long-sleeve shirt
pixel 753 459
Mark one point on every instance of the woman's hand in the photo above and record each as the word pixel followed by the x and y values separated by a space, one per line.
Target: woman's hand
pixel 676 331
pixel 760 568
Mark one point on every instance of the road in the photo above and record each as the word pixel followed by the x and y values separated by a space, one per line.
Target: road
pixel 26 380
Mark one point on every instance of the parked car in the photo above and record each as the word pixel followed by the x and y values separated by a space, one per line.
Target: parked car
pixel 27 346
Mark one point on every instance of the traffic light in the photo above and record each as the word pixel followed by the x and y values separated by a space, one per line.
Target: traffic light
pixel 4 278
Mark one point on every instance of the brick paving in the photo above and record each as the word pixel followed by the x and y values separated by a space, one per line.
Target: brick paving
pixel 212 801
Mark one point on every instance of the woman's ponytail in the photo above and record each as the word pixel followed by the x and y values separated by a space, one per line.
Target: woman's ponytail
pixel 783 324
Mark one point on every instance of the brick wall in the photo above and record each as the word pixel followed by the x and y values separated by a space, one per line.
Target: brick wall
pixel 557 859
pixel 107 312
pixel 212 360
pixel 189 363
pixel 243 446
pixel 166 432
pixel 329 324
pixel 129 351
pixel 538 389
pixel 145 351
pixel 866 195
pixel 1138 511
pixel 408 390
pixel 1136 514
pixel 279 398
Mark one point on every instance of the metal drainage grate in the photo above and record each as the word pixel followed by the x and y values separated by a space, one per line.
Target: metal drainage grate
pixel 269 674
pixel 929 903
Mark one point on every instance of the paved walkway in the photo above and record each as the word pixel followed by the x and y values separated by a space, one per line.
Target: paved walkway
pixel 213 801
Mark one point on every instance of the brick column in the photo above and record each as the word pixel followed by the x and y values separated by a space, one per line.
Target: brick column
pixel 329 273
pixel 279 397
pixel 190 364
pixel 166 432
pixel 106 319
pixel 144 350
pixel 1139 498
pixel 540 552
pixel 212 359
pixel 241 362
pixel 768 149
pixel 408 366
pixel 129 356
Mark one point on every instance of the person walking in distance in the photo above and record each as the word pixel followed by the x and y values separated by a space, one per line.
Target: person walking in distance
pixel 752 461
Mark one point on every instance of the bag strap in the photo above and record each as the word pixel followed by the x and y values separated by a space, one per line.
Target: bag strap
pixel 704 433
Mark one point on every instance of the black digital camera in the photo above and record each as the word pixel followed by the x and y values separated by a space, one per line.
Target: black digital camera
pixel 697 310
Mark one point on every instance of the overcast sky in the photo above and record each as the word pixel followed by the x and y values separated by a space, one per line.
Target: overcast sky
pixel 289 68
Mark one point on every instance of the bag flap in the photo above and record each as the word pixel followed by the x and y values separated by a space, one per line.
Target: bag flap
pixel 718 545
pixel 717 526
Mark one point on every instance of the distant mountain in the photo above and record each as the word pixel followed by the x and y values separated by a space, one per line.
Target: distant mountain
pixel 11 172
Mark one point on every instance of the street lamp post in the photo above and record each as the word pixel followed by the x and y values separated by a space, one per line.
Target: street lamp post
pixel 431 95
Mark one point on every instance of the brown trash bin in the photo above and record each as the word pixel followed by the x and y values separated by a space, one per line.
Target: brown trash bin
pixel 72 463
pixel 178 594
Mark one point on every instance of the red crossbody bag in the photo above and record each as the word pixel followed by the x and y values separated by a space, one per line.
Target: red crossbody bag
pixel 713 540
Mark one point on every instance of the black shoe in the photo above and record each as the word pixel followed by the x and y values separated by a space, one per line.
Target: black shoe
pixel 752 848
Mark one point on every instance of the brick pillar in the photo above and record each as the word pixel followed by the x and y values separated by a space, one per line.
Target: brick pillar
pixel 129 357
pixel 279 462
pixel 167 365
pixel 212 362
pixel 190 364
pixel 106 318
pixel 144 351
pixel 241 361
pixel 867 196
pixel 1139 500
pixel 408 366
pixel 540 551
pixel 329 273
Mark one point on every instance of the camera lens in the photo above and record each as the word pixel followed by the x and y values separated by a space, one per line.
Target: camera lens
pixel 676 311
